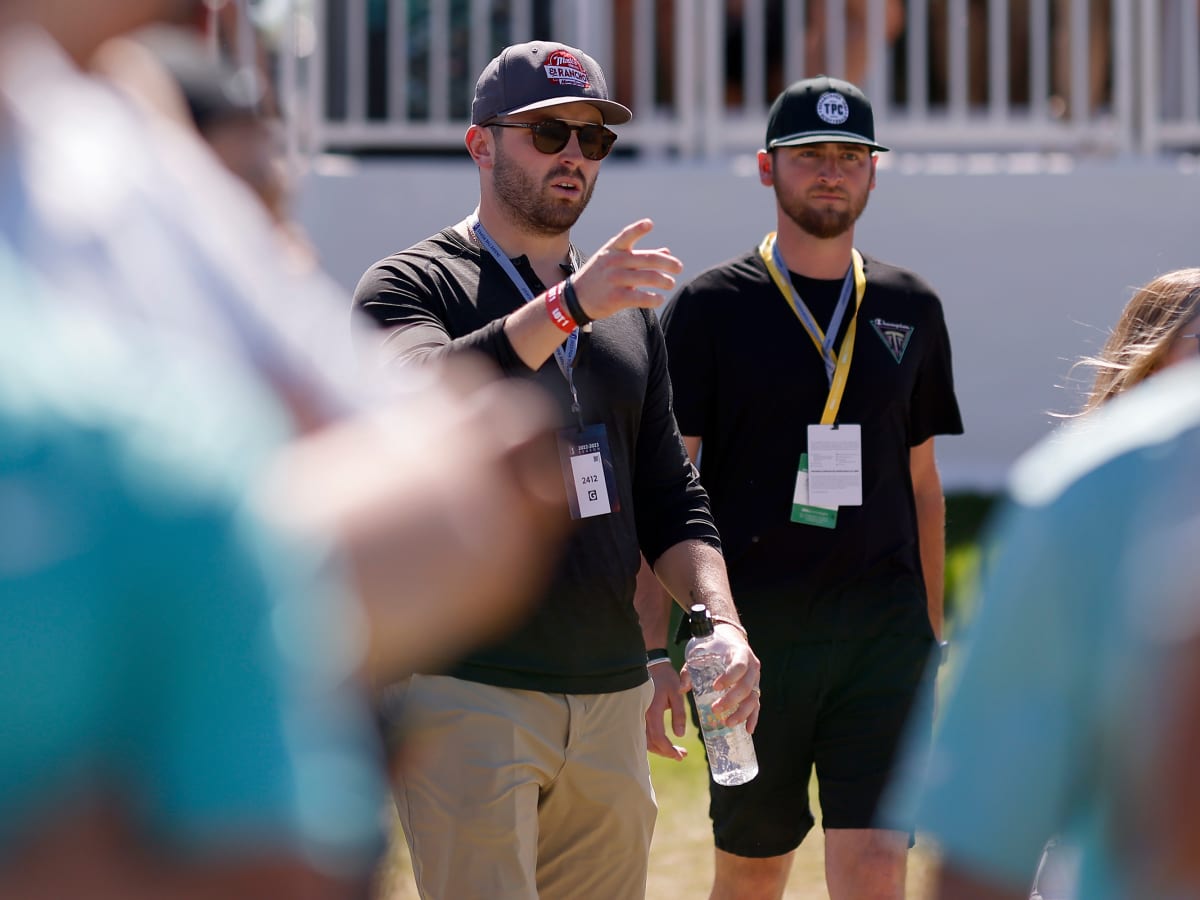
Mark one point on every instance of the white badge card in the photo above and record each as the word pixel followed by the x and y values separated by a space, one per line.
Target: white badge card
pixel 804 512
pixel 835 465
pixel 587 466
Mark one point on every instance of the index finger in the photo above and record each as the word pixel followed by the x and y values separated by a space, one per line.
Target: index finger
pixel 630 235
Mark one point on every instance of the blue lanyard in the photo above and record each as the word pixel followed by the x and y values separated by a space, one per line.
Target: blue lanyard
pixel 824 339
pixel 563 355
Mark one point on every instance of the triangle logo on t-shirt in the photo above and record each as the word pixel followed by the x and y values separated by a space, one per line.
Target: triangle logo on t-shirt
pixel 895 337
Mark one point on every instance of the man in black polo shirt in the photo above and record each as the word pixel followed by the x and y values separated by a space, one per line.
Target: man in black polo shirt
pixel 815 380
pixel 528 777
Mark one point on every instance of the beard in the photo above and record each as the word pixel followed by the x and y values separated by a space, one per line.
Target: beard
pixel 821 221
pixel 527 203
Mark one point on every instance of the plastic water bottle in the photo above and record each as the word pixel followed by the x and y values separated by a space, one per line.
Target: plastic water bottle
pixel 730 748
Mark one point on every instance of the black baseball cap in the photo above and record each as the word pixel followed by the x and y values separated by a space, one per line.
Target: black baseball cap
pixel 537 75
pixel 821 110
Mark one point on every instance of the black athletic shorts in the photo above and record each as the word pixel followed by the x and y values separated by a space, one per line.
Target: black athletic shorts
pixel 840 706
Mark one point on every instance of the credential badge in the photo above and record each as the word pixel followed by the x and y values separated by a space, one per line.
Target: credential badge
pixel 895 337
pixel 833 108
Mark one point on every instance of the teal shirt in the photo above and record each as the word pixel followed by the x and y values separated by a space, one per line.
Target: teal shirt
pixel 156 639
pixel 1051 711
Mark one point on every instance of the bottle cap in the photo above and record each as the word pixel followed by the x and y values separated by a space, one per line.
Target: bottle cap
pixel 700 621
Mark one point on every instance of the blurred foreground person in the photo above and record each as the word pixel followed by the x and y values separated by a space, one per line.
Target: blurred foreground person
pixel 182 655
pixel 172 71
pixel 1157 329
pixel 1068 709
pixel 1172 778
pixel 140 223
pixel 178 681
pixel 126 226
pixel 141 220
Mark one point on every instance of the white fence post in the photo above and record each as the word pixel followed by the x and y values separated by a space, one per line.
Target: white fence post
pixel 1150 100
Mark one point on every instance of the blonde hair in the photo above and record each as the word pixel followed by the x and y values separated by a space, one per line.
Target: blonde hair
pixel 1151 321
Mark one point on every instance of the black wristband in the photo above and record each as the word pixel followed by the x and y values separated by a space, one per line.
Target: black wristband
pixel 657 653
pixel 571 300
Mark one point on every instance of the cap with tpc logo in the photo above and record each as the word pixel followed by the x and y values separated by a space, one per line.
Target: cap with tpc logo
pixel 821 110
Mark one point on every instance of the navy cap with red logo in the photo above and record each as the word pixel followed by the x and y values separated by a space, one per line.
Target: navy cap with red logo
pixel 821 110
pixel 537 75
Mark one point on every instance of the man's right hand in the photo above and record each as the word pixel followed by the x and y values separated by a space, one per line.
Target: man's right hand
pixel 619 276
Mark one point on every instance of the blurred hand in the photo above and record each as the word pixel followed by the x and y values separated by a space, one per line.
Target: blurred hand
pixel 449 506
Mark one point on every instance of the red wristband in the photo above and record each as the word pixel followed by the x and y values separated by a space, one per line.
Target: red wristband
pixel 557 310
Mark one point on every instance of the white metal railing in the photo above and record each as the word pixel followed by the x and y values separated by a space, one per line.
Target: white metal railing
pixel 1090 76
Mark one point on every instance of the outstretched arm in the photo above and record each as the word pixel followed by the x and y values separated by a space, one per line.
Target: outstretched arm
pixel 464 511
pixel 617 276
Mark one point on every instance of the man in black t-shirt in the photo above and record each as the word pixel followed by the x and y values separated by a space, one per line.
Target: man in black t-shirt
pixel 814 379
pixel 528 777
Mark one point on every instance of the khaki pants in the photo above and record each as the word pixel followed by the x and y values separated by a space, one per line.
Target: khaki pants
pixel 522 795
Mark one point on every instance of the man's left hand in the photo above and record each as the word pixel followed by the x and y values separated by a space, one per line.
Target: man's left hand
pixel 667 696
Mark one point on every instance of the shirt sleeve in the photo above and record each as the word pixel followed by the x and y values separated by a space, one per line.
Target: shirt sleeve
pixel 690 357
pixel 672 506
pixel 428 315
pixel 935 406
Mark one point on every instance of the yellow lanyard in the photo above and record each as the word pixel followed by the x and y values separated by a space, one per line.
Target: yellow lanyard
pixel 839 372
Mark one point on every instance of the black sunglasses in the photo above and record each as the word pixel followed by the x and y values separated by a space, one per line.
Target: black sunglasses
pixel 552 135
